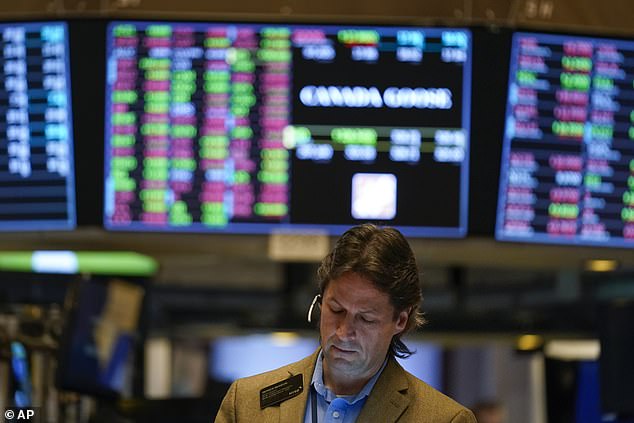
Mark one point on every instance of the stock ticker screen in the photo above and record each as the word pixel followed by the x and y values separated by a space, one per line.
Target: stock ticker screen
pixel 37 189
pixel 245 128
pixel 568 157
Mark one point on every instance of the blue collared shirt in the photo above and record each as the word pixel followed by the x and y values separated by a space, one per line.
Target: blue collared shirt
pixel 332 408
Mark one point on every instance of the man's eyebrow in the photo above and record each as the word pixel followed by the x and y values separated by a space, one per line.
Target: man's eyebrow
pixel 370 310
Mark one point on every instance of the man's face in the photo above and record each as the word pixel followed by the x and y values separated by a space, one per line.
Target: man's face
pixel 356 326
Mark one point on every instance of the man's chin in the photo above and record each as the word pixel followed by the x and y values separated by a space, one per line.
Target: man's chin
pixel 341 364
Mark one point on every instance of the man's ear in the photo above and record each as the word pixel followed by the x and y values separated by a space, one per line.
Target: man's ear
pixel 401 321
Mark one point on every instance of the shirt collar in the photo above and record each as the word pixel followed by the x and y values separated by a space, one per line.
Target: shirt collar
pixel 318 382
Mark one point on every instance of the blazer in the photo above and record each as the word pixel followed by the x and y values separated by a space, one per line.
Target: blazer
pixel 397 396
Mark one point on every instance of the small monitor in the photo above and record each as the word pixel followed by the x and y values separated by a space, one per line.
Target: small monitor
pixel 567 174
pixel 37 189
pixel 233 357
pixel 249 128
pixel 99 341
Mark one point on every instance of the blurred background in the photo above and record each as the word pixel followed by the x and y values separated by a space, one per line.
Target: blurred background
pixel 171 174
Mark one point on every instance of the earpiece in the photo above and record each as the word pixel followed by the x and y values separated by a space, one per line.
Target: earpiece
pixel 316 300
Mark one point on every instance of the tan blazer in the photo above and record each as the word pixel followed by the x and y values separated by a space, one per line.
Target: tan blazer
pixel 398 396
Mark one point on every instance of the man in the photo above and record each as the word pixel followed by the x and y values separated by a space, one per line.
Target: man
pixel 370 296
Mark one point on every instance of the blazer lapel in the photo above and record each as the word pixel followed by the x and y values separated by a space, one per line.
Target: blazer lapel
pixel 293 409
pixel 388 399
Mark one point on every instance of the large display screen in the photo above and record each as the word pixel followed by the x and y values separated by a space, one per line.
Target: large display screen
pixel 37 189
pixel 568 158
pixel 250 127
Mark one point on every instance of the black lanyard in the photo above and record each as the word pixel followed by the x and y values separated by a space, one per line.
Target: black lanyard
pixel 313 403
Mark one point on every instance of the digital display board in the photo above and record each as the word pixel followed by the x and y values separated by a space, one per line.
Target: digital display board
pixel 567 172
pixel 37 189
pixel 251 127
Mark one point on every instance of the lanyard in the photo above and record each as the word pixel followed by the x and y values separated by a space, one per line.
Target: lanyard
pixel 313 403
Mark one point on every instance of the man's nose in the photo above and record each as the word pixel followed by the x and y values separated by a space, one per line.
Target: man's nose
pixel 346 328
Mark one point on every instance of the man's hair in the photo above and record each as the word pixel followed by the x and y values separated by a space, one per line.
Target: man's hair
pixel 383 256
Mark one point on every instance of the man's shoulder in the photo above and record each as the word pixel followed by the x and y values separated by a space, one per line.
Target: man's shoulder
pixel 427 393
pixel 429 398
pixel 415 399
